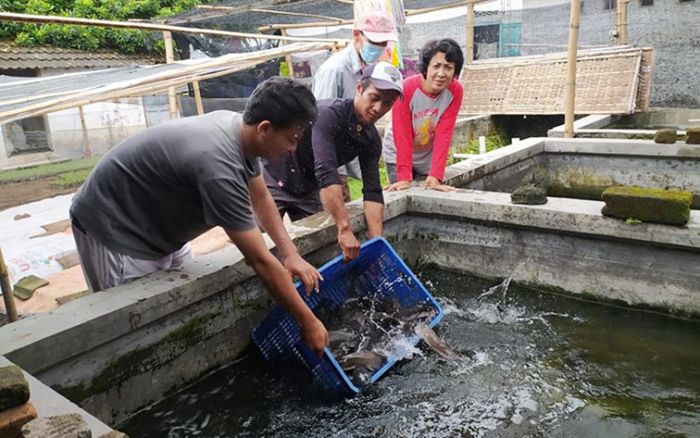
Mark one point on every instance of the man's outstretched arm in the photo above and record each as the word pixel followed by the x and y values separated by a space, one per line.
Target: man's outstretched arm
pixel 268 216
pixel 333 203
pixel 278 283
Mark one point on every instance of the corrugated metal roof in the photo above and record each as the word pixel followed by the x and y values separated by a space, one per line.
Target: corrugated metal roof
pixel 240 19
pixel 17 57
pixel 33 96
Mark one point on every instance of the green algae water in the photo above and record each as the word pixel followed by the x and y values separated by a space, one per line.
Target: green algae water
pixel 533 365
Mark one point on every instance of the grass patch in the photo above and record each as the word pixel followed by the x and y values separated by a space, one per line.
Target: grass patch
pixel 356 184
pixel 70 179
pixel 46 170
pixel 495 140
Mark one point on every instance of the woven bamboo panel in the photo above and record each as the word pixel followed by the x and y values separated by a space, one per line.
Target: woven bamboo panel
pixel 608 82
pixel 645 75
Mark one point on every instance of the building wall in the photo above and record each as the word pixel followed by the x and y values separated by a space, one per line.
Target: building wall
pixel 670 26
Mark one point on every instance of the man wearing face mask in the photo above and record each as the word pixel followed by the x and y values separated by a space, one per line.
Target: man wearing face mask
pixel 337 77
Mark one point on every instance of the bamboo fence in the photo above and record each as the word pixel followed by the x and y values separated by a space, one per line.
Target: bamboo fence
pixel 608 81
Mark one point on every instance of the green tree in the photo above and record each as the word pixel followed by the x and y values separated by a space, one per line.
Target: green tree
pixel 86 37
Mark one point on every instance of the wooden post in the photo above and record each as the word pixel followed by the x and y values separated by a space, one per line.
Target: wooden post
pixel 198 98
pixel 7 291
pixel 470 32
pixel 170 57
pixel 622 22
pixel 288 58
pixel 571 70
pixel 87 151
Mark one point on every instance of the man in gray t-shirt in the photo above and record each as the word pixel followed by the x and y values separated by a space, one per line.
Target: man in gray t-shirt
pixel 154 192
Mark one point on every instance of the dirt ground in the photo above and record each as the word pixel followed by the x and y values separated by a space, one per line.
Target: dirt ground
pixel 24 192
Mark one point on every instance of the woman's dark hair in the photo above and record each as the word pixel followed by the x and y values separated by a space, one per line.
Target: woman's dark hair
pixel 448 46
pixel 284 102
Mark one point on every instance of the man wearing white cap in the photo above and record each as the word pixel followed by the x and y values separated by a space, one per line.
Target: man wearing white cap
pixel 309 182
pixel 337 77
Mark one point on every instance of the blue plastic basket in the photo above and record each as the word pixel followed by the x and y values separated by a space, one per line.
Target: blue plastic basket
pixel 378 269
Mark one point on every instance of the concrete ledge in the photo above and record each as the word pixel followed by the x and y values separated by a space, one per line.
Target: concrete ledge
pixel 559 215
pixel 477 166
pixel 601 146
pixel 592 123
pixel 48 402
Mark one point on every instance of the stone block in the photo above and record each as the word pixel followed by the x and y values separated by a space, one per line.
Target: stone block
pixel 14 389
pixel 692 136
pixel 12 420
pixel 529 194
pixel 666 136
pixel 58 426
pixel 648 205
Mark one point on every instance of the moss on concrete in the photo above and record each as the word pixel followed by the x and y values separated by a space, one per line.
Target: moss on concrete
pixel 666 136
pixel 648 205
pixel 579 184
pixel 14 389
pixel 529 195
pixel 692 136
pixel 142 360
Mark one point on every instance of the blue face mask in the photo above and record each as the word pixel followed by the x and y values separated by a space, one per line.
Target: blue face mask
pixel 370 53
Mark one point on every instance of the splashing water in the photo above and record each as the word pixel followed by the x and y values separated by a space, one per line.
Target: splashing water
pixel 540 365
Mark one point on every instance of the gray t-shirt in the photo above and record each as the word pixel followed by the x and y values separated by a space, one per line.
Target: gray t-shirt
pixel 159 189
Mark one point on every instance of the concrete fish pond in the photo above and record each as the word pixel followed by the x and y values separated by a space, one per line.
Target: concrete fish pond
pixel 167 354
pixel 374 309
pixel 583 168
pixel 533 364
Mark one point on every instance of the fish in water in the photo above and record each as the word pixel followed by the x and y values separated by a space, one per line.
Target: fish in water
pixel 433 340
pixel 363 329
pixel 368 359
pixel 362 365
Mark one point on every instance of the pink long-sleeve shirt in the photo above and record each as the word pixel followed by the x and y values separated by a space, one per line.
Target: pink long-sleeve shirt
pixel 421 129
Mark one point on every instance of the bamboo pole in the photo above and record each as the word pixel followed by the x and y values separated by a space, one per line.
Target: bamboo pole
pixel 571 70
pixel 87 150
pixel 210 68
pixel 197 98
pixel 470 32
pixel 6 288
pixel 622 22
pixel 221 66
pixel 169 58
pixel 265 11
pixel 409 13
pixel 29 18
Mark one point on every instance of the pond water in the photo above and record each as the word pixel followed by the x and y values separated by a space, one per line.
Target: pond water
pixel 533 364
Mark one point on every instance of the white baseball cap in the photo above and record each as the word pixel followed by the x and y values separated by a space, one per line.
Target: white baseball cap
pixel 384 76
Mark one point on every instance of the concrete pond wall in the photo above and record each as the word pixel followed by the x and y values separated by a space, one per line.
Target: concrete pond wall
pixel 640 126
pixel 584 168
pixel 118 351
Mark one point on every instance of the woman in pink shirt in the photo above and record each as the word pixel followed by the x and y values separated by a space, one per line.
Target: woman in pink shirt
pixel 417 144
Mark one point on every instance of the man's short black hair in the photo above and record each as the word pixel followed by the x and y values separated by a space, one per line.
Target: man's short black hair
pixel 284 102
pixel 448 46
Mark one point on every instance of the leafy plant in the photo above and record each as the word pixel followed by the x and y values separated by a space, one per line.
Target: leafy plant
pixel 86 37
